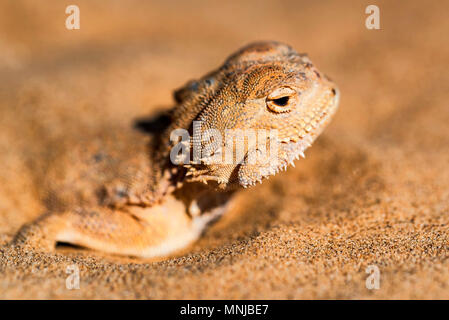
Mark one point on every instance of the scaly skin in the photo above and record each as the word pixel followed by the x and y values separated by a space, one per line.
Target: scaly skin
pixel 136 201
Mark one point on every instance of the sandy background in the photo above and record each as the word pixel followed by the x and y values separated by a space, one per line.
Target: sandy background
pixel 374 189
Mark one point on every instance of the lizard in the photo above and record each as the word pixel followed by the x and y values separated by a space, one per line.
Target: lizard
pixel 122 192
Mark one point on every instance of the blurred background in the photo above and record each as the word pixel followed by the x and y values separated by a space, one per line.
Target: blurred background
pixel 374 189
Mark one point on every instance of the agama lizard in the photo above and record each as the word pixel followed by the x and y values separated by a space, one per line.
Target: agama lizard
pixel 123 194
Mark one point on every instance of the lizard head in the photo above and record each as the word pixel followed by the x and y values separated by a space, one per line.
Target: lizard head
pixel 264 95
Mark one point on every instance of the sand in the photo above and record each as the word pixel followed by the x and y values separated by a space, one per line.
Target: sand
pixel 373 190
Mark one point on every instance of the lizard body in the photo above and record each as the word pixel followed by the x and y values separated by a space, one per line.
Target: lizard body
pixel 121 192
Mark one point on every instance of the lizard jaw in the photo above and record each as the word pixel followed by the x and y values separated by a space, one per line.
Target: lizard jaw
pixel 293 149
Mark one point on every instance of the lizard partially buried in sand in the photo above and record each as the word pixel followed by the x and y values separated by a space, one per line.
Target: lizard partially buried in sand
pixel 122 194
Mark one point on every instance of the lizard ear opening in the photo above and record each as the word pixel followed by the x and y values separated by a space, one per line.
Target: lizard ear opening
pixel 280 100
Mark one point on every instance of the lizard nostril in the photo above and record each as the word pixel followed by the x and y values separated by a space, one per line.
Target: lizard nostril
pixel 334 92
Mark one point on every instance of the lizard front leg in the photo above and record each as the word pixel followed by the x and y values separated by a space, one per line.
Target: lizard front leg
pixel 134 231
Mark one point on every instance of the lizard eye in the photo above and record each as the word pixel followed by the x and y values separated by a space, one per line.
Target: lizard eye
pixel 280 100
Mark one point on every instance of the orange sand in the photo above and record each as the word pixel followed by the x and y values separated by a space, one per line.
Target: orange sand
pixel 373 190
